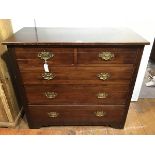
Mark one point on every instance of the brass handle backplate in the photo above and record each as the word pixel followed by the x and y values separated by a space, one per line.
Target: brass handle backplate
pixel 48 76
pixel 106 56
pixel 103 76
pixel 100 113
pixel 51 95
pixel 102 95
pixel 45 55
pixel 53 114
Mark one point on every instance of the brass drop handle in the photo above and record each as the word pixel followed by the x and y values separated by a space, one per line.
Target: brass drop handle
pixel 103 76
pixel 48 76
pixel 51 95
pixel 102 95
pixel 106 56
pixel 100 113
pixel 53 114
pixel 45 55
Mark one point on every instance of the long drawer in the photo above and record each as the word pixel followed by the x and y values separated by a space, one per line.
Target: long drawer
pixel 103 56
pixel 83 75
pixel 75 115
pixel 76 94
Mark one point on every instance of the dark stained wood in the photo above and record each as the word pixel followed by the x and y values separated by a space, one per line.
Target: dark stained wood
pixel 73 74
pixel 132 84
pixel 121 55
pixel 29 56
pixel 75 56
pixel 78 94
pixel 37 49
pixel 75 115
pixel 76 66
pixel 75 36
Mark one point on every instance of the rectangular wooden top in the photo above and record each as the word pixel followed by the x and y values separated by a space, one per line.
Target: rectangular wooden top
pixel 75 36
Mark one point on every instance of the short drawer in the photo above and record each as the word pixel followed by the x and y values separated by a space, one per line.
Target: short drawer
pixel 77 94
pixel 107 55
pixel 75 115
pixel 78 75
pixel 32 57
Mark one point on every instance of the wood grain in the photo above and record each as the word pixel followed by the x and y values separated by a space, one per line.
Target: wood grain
pixel 76 62
pixel 29 56
pixel 75 36
pixel 75 115
pixel 76 94
pixel 121 55
pixel 73 74
pixel 139 122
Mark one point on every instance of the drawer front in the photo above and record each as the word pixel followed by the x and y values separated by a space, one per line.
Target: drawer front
pixel 32 57
pixel 76 115
pixel 107 55
pixel 77 75
pixel 77 94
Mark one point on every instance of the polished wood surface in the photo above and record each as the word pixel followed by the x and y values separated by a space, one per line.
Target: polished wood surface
pixel 140 121
pixel 75 36
pixel 121 55
pixel 76 115
pixel 29 56
pixel 78 94
pixel 71 75
pixel 78 72
pixel 65 56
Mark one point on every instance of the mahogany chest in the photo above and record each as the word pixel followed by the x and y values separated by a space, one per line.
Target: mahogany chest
pixel 75 76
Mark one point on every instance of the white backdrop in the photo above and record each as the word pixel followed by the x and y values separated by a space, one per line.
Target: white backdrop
pixel 138 15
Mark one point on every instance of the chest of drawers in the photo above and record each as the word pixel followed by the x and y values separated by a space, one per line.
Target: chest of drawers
pixel 72 76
